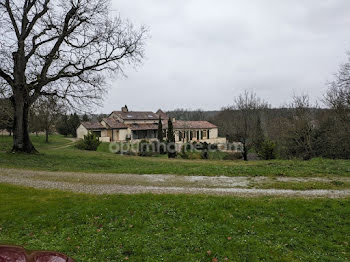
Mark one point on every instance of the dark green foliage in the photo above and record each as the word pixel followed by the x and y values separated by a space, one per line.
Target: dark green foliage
pixel 90 142
pixel 267 150
pixel 68 125
pixel 171 140
pixel 85 118
pixel 149 149
pixel 332 139
pixel 160 130
pixel 73 123
pixel 63 126
pixel 185 149
pixel 146 148
pixel 205 153
pixel 160 146
pixel 233 156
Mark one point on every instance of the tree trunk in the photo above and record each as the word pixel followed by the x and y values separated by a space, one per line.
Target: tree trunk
pixel 245 152
pixel 47 135
pixel 21 139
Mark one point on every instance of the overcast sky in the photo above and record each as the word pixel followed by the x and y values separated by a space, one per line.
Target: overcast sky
pixel 202 53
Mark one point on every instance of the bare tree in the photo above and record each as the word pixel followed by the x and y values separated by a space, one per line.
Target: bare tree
pixel 240 121
pixel 335 126
pixel 338 94
pixel 6 115
pixel 46 112
pixel 60 48
pixel 299 128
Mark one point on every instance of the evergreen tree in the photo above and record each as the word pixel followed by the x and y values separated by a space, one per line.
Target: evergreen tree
pixel 160 130
pixel 86 118
pixel 171 140
pixel 73 123
pixel 62 126
pixel 161 146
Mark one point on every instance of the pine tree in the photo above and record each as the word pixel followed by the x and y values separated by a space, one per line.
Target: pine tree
pixel 85 118
pixel 160 130
pixel 171 140
pixel 62 126
pixel 73 123
pixel 161 146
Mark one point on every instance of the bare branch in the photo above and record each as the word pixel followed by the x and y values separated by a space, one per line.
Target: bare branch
pixel 6 77
pixel 10 13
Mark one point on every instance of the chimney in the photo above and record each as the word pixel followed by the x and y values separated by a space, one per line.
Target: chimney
pixel 125 109
pixel 173 120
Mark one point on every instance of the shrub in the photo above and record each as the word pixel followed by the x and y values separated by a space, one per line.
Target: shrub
pixel 184 152
pixel 90 143
pixel 148 149
pixel 267 150
pixel 144 148
pixel 233 156
pixel 194 155
pixel 158 147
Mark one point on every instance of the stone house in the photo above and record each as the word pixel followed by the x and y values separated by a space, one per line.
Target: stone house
pixel 133 126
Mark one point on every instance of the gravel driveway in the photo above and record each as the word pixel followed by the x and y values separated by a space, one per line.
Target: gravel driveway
pixel 161 184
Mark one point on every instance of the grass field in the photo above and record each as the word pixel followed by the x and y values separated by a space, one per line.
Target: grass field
pixel 53 157
pixel 175 228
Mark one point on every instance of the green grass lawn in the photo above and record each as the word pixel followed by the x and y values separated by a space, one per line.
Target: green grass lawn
pixel 175 228
pixel 54 158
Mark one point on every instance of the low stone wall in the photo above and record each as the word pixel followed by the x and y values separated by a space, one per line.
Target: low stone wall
pixel 104 139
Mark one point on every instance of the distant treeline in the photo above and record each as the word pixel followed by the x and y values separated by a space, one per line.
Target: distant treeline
pixel 194 115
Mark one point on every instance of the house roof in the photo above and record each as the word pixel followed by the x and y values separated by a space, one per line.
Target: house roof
pixel 133 115
pixel 179 124
pixel 112 123
pixel 162 114
pixel 93 125
pixel 136 127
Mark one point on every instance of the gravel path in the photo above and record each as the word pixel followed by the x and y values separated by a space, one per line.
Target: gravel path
pixel 160 184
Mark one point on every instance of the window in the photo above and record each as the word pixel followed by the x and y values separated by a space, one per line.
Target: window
pixel 97 133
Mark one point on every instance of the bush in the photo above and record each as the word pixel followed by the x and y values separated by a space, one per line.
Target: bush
pixel 185 150
pixel 148 149
pixel 267 150
pixel 194 155
pixel 90 143
pixel 159 147
pixel 233 156
pixel 205 154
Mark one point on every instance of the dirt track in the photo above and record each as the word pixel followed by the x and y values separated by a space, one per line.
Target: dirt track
pixel 161 184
